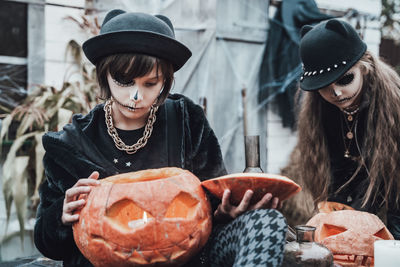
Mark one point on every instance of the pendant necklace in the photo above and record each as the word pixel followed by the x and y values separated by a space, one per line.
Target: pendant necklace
pixel 351 113
pixel 349 135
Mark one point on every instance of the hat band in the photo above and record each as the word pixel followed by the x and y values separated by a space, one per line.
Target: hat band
pixel 317 72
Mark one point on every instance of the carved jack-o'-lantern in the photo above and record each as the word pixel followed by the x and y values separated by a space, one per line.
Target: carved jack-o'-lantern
pixel 350 235
pixel 159 216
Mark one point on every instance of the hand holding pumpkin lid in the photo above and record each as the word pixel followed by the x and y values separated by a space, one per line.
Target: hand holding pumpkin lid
pixel 260 183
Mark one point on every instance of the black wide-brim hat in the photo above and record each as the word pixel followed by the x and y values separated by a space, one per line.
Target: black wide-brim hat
pixel 328 50
pixel 138 33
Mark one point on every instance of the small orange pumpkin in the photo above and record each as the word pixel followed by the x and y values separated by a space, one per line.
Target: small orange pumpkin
pixel 153 217
pixel 261 183
pixel 350 235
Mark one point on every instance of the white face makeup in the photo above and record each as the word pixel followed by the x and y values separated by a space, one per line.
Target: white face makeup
pixel 346 91
pixel 133 97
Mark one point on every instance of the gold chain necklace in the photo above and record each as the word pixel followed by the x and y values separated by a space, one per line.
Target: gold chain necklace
pixel 117 140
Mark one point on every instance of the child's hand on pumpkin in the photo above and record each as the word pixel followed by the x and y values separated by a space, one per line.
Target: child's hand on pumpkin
pixel 72 201
pixel 228 211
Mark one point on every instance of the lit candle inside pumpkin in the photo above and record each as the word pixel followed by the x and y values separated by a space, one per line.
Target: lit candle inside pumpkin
pixel 144 217
pixel 387 253
pixel 137 223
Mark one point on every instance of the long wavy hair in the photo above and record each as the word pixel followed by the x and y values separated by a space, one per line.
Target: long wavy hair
pixel 380 154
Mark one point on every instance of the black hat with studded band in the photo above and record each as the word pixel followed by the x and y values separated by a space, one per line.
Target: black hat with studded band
pixel 125 32
pixel 328 50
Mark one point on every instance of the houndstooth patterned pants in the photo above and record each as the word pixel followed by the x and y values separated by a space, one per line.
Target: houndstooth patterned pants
pixel 256 238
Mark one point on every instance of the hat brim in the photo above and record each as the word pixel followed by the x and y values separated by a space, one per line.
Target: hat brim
pixel 137 42
pixel 319 81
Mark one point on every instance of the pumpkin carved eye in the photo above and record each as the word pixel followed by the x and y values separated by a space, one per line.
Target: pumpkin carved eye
pixel 383 233
pixel 331 230
pixel 183 206
pixel 127 214
pixel 130 216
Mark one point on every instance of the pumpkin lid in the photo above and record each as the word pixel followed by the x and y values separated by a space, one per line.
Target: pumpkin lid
pixel 260 183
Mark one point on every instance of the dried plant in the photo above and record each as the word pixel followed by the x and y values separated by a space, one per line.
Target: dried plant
pixel 86 24
pixel 45 108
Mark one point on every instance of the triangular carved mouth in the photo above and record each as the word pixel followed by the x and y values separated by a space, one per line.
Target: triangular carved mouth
pixel 360 260
pixel 143 256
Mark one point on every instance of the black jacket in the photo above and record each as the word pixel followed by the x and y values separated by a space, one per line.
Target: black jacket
pixel 343 168
pixel 181 137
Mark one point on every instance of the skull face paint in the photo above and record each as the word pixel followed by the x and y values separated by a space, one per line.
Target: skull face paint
pixel 346 91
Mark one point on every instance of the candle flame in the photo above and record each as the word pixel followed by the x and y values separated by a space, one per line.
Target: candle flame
pixel 144 217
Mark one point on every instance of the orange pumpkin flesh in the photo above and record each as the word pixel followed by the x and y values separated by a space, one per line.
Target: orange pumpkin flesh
pixel 261 183
pixel 350 235
pixel 329 206
pixel 159 216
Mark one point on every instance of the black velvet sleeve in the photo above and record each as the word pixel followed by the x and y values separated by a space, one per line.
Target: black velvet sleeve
pixel 205 155
pixel 52 238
